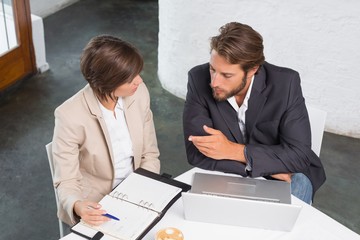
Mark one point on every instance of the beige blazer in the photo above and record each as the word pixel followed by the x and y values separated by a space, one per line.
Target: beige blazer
pixel 82 153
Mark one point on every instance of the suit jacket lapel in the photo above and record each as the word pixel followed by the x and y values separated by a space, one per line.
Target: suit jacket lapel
pixel 95 110
pixel 128 101
pixel 256 101
pixel 91 101
pixel 230 117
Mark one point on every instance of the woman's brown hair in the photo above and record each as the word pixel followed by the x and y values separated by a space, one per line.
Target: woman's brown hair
pixel 108 62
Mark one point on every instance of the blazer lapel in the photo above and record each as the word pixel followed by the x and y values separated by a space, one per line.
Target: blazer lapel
pixel 256 101
pixel 95 110
pixel 128 101
pixel 92 102
pixel 230 118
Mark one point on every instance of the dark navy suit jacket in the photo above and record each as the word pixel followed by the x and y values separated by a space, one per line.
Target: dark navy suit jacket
pixel 277 125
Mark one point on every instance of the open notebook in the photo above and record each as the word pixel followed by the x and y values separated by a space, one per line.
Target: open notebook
pixel 139 202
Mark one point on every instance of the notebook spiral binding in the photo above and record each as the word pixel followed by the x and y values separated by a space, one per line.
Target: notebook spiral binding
pixel 147 205
pixel 119 195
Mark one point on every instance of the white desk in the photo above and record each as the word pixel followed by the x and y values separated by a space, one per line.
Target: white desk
pixel 311 224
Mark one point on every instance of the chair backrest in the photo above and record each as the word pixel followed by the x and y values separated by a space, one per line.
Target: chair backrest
pixel 317 119
pixel 51 164
pixel 49 155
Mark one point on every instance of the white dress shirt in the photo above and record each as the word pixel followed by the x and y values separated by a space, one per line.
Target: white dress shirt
pixel 120 141
pixel 244 106
pixel 241 118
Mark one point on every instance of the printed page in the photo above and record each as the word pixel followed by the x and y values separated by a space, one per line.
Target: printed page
pixel 133 219
pixel 145 191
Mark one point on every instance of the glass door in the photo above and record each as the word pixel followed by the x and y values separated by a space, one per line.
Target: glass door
pixel 7 27
pixel 17 59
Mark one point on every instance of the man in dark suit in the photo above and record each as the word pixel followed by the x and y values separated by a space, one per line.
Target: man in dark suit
pixel 243 115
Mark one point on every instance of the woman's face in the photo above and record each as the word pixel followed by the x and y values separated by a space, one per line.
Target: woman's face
pixel 128 89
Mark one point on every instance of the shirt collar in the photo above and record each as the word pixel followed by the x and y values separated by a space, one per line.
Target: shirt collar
pixel 232 99
pixel 120 103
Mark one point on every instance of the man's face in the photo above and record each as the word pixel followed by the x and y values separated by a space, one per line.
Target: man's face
pixel 227 79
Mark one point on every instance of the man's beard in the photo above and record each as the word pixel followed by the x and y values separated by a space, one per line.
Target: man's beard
pixel 233 92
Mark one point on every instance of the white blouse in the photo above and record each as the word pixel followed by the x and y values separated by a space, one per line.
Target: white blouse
pixel 120 141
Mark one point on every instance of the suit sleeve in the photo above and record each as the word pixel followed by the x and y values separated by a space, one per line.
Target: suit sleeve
pixel 150 152
pixel 196 114
pixel 67 175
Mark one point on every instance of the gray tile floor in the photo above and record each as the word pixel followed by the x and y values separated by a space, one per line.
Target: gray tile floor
pixel 27 203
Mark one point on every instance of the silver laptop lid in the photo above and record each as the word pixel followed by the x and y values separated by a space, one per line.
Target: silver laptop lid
pixel 239 212
pixel 239 187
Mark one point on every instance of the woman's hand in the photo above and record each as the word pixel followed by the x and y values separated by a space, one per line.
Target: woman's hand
pixel 90 212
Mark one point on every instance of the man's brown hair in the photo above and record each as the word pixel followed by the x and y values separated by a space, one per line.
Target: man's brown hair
pixel 239 44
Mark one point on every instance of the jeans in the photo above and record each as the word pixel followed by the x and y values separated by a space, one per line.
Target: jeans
pixel 301 187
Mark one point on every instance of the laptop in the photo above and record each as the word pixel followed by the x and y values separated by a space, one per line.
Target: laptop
pixel 238 201
pixel 239 187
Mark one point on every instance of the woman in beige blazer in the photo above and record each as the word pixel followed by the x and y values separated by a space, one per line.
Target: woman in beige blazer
pixel 88 128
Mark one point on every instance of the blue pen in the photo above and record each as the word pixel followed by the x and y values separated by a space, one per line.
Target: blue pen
pixel 111 216
pixel 106 214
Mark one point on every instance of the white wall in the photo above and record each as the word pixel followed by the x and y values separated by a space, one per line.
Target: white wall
pixel 39 43
pixel 317 38
pixel 44 8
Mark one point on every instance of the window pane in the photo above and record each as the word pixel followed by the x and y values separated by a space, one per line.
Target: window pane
pixel 8 39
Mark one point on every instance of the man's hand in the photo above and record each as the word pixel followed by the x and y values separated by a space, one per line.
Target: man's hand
pixel 217 146
pixel 90 212
pixel 283 176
